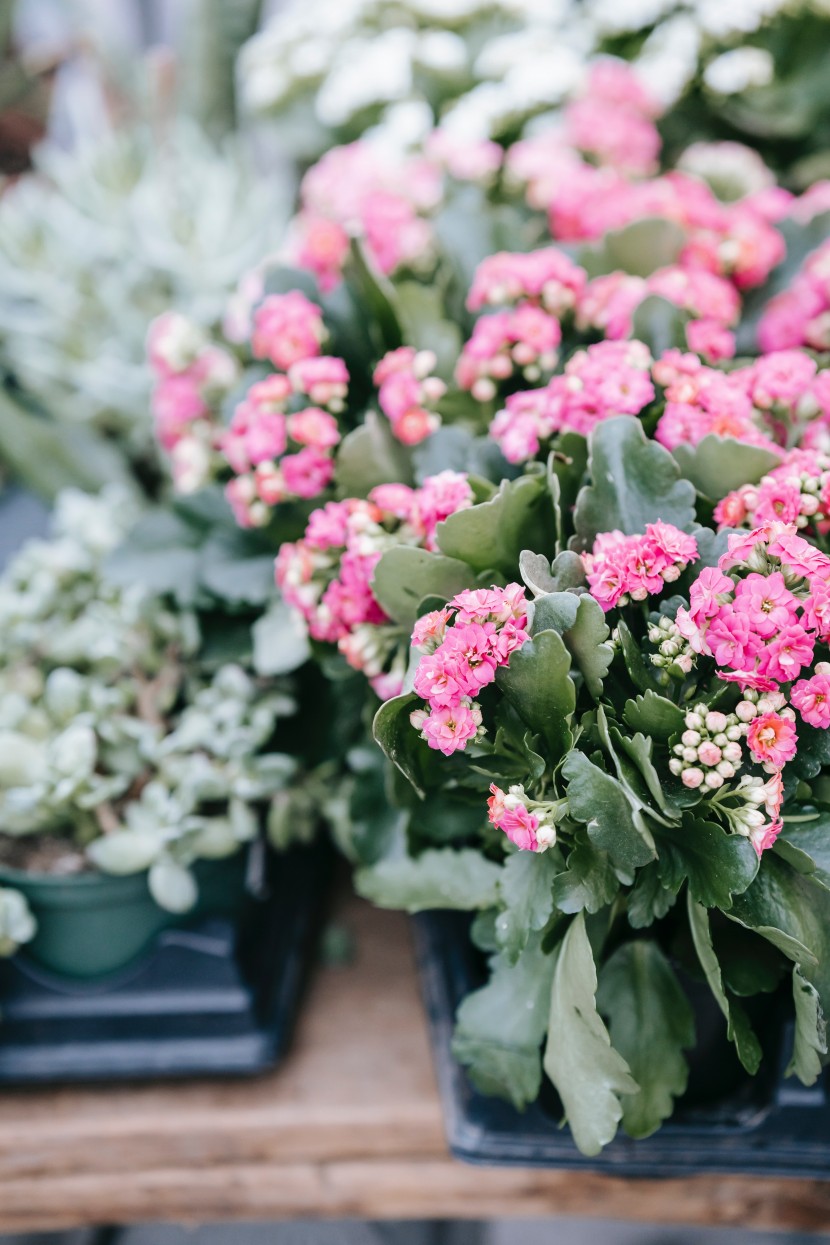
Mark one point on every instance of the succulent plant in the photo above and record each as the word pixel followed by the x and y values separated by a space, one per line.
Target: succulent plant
pixel 17 925
pixel 115 738
pixel 94 244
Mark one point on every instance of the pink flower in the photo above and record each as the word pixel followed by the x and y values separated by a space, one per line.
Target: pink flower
pixel 430 629
pixel 772 740
pixel 511 815
pixel 449 730
pixel 788 651
pixel 314 427
pixel 287 329
pixel 811 698
pixel 767 601
pixel 324 380
pixel 308 473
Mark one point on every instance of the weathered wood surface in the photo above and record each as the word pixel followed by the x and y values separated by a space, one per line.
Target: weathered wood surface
pixel 349 1127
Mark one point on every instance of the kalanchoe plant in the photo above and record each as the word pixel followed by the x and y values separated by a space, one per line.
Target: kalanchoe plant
pixel 125 745
pixel 618 763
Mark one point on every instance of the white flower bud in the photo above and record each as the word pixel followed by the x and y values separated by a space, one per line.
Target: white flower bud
pixel 713 779
pixel 690 738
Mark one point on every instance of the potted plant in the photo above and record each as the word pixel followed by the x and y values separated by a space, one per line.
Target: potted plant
pixel 616 760
pixel 136 767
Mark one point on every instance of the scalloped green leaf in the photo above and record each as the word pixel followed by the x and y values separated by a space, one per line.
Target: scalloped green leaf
pixel 404 576
pixel 590 1076
pixel 719 465
pixel 651 1023
pixel 494 533
pixel 537 683
pixel 634 481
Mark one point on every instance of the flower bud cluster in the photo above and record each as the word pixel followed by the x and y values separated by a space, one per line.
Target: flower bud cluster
pixel 674 654
pixel 709 752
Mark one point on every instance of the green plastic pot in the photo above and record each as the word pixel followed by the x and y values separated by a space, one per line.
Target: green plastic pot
pixel 92 924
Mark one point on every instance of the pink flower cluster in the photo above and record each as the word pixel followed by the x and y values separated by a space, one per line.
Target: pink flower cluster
pixel 701 401
pixel 756 404
pixel 630 568
pixel 760 614
pixel 327 576
pixel 464 645
pixel 796 492
pixel 584 201
pixel 800 314
pixel 608 378
pixel 608 303
pixel 613 119
pixel 525 338
pixel 406 392
pixel 362 190
pixel 191 376
pixel 281 438
pixel 548 278
pixel 528 828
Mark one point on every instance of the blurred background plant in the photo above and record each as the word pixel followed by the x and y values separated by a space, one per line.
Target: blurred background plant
pixel 124 746
pixel 140 198
pixel 753 71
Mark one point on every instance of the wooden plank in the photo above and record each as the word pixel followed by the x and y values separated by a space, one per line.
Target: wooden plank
pixel 350 1126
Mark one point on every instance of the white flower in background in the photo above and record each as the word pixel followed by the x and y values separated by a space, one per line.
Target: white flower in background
pixel 738 69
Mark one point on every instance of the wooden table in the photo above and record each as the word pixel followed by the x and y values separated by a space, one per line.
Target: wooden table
pixel 349 1127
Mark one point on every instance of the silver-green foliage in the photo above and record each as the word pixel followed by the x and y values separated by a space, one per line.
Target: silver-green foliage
pixel 111 735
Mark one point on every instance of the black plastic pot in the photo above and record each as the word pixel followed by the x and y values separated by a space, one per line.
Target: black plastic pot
pixel 726 1123
pixel 217 997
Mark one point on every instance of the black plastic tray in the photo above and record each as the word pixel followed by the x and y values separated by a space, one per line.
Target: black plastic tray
pixel 217 998
pixel 772 1127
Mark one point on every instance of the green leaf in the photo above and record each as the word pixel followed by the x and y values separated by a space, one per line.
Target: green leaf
pixel 654 716
pixel 370 455
pixel 639 248
pixel 601 803
pixel 499 1028
pixel 376 295
pixel 425 325
pixel 538 685
pixel 438 878
pixel 739 1029
pixel 403 745
pixel 719 465
pixel 162 552
pixel 793 912
pixel 806 845
pixel 589 883
pixel 813 751
pixel 280 641
pixel 650 1024
pixel 660 324
pixel 49 456
pixel 717 865
pixel 527 893
pixel 586 640
pixel 404 576
pixel 643 674
pixel 634 481
pixel 233 571
pixel 493 533
pixel 648 899
pixel 555 611
pixel 589 1074
pixel 810 1041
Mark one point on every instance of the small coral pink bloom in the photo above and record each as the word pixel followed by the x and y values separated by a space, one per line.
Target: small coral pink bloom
pixel 772 740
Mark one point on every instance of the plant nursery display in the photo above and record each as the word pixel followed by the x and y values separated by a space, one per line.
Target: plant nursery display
pixel 538 436
pixel 136 767
pixel 485 69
